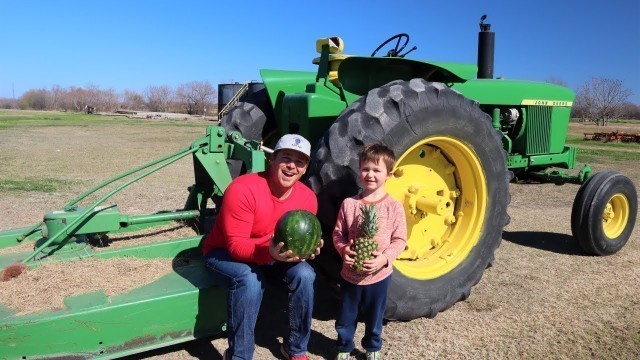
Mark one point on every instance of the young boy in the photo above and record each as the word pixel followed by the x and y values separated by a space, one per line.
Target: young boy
pixel 367 287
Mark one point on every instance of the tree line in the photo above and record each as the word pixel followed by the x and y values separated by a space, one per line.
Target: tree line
pixel 601 100
pixel 193 98
pixel 597 99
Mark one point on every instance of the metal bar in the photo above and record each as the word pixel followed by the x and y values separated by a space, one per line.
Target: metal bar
pixel 142 167
pixel 30 230
pixel 143 219
pixel 90 209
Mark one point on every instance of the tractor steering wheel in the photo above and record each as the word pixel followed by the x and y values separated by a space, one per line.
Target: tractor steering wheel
pixel 397 49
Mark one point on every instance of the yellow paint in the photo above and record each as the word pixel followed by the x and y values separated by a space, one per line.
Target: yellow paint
pixel 615 216
pixel 559 103
pixel 443 188
pixel 336 44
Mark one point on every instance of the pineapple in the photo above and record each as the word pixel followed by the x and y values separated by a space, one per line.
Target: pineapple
pixel 366 244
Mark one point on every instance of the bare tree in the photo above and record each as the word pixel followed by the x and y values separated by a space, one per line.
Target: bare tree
pixel 631 111
pixel 55 96
pixel 556 80
pixel 132 100
pixel 187 98
pixel 77 98
pixel 157 97
pixel 7 103
pixel 111 99
pixel 93 94
pixel 601 99
pixel 195 96
pixel 34 99
pixel 205 93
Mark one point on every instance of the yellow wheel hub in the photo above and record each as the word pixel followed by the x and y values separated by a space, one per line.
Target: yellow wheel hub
pixel 615 216
pixel 443 188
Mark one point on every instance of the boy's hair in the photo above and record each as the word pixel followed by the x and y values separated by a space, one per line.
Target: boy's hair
pixel 376 152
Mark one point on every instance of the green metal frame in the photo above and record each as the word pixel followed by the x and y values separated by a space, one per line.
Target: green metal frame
pixel 180 306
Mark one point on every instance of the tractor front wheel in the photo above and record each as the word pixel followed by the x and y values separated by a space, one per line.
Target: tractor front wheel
pixel 604 213
pixel 450 175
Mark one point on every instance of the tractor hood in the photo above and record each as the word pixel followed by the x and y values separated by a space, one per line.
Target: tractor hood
pixel 358 75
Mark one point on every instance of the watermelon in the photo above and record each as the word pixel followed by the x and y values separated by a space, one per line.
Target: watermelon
pixel 300 232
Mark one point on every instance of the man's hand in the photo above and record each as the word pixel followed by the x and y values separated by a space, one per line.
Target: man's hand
pixel 372 265
pixel 277 255
pixel 317 252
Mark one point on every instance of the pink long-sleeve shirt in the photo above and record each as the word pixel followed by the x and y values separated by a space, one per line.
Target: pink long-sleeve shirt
pixel 391 235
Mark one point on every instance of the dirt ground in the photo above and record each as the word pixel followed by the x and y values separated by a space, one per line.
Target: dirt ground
pixel 542 299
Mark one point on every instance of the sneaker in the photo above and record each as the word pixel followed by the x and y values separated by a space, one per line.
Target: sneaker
pixel 343 356
pixel 285 353
pixel 374 355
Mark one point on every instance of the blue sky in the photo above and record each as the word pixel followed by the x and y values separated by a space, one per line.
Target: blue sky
pixel 133 44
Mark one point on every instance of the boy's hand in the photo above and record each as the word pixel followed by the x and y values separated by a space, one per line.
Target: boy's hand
pixel 372 265
pixel 277 255
pixel 349 254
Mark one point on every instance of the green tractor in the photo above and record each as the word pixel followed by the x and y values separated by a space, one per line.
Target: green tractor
pixel 460 137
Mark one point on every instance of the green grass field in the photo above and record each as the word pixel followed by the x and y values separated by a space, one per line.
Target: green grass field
pixel 30 118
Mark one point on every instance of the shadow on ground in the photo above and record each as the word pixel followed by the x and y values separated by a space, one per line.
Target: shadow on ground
pixel 270 328
pixel 273 319
pixel 547 241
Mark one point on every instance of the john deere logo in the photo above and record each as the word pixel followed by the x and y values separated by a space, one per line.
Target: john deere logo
pixel 546 102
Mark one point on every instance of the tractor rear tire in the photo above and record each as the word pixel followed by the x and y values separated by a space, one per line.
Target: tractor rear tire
pixel 441 140
pixel 604 213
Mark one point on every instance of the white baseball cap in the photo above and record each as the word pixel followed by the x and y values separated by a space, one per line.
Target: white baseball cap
pixel 294 142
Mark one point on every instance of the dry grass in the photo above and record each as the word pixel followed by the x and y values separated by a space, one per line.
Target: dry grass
pixel 542 299
pixel 46 287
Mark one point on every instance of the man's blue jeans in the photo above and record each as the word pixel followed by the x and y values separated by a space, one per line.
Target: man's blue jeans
pixel 245 285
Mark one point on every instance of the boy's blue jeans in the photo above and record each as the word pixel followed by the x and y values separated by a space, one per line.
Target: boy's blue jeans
pixel 245 286
pixel 373 299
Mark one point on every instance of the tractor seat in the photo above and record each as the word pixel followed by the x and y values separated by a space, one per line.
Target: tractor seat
pixel 335 56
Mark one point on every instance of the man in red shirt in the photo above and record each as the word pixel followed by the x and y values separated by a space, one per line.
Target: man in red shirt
pixel 240 248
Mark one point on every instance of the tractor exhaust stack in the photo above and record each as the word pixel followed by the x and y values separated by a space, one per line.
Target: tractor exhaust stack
pixel 486 48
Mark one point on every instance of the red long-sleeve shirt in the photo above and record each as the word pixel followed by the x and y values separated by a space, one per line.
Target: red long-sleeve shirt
pixel 249 214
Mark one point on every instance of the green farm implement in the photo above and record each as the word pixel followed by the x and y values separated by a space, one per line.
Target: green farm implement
pixel 460 137
pixel 178 307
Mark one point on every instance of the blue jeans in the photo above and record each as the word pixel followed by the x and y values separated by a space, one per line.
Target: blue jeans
pixel 373 299
pixel 245 285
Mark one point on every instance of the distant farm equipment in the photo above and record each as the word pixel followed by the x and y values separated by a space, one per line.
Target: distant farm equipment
pixel 613 136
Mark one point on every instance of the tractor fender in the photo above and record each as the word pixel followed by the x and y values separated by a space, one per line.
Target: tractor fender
pixel 281 82
pixel 358 75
